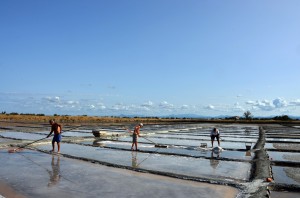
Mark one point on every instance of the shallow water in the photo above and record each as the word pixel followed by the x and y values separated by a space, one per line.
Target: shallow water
pixel 269 146
pixel 193 167
pixel 176 150
pixel 204 137
pixel 283 139
pixel 77 134
pixel 21 135
pixel 183 156
pixel 286 175
pixel 275 194
pixel 35 174
pixel 187 143
pixel 284 156
pixel 5 140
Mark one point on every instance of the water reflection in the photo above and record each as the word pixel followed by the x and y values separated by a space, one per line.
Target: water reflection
pixel 247 131
pixel 134 160
pixel 248 154
pixel 214 162
pixel 98 143
pixel 55 173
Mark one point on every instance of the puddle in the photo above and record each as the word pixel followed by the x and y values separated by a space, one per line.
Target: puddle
pixel 39 135
pixel 203 137
pixel 193 167
pixel 77 134
pixel 286 146
pixel 21 135
pixel 34 174
pixel 275 194
pixel 176 150
pixel 284 156
pixel 82 130
pixel 269 146
pixel 5 140
pixel 282 140
pixel 187 143
pixel 286 175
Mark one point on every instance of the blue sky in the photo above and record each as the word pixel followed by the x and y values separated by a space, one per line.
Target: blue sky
pixel 150 57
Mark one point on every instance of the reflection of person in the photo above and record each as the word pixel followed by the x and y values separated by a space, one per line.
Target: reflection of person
pixel 135 135
pixel 134 159
pixel 215 133
pixel 99 143
pixel 56 128
pixel 214 163
pixel 55 173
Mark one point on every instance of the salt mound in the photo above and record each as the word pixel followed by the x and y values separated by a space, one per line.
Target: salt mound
pixel 217 149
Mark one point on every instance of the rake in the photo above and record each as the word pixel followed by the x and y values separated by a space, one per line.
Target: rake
pixel 155 144
pixel 22 147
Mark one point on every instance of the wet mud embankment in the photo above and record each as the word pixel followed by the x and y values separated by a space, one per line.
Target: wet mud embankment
pixel 261 168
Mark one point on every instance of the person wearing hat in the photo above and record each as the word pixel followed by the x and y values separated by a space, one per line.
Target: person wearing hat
pixel 56 128
pixel 135 135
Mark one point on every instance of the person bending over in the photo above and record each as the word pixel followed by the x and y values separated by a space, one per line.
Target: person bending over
pixel 215 133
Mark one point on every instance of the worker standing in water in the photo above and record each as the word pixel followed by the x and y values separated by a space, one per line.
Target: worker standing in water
pixel 135 135
pixel 215 133
pixel 56 128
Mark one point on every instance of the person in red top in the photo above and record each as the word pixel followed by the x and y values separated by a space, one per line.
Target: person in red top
pixel 56 128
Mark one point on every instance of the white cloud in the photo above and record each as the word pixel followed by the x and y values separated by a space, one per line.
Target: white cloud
pixel 166 105
pixel 148 104
pixel 184 107
pixel 278 103
pixel 54 99
pixel 101 106
pixel 267 105
pixel 92 107
pixel 210 107
pixel 80 104
pixel 71 102
pixel 119 106
pixel 59 106
pixel 238 108
pixel 250 102
pixel 295 103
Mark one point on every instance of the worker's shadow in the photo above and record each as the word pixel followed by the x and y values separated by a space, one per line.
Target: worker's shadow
pixel 134 162
pixel 55 173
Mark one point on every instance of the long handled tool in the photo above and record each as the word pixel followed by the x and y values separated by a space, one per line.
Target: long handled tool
pixel 147 157
pixel 155 144
pixel 21 147
pixel 148 139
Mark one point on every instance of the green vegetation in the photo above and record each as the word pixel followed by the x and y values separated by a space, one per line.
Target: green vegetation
pixel 248 115
pixel 284 117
